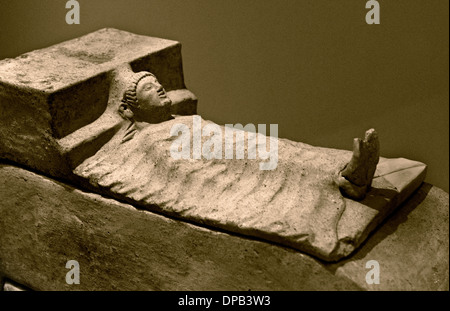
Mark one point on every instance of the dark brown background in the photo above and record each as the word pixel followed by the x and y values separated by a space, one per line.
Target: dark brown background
pixel 314 67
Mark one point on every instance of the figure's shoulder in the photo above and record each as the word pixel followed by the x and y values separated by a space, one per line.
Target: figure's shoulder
pixel 172 124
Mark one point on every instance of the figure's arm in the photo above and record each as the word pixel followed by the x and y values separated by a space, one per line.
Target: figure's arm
pixel 86 141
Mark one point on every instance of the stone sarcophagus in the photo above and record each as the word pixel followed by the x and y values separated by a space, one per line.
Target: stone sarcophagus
pixel 109 113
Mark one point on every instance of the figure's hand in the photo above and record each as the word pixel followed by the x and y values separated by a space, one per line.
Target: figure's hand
pixel 355 179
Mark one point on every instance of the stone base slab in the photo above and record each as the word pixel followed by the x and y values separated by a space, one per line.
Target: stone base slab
pixel 45 223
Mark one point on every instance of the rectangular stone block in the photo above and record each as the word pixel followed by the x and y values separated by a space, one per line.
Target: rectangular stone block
pixel 119 247
pixel 47 94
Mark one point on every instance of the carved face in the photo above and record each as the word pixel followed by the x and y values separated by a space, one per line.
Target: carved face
pixel 150 92
pixel 154 105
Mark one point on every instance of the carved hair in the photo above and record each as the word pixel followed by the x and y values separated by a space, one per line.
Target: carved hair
pixel 129 96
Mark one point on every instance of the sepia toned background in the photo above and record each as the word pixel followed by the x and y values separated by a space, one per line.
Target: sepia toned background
pixel 314 67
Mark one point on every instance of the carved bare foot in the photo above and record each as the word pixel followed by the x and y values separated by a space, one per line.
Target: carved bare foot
pixel 355 179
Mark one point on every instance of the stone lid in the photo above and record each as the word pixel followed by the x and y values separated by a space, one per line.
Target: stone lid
pixel 72 61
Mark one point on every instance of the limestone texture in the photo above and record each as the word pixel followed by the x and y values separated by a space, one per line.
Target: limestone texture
pixel 47 94
pixel 45 223
pixel 63 112
pixel 298 204
pixel 411 247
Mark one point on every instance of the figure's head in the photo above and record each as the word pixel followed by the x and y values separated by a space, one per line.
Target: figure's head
pixel 145 99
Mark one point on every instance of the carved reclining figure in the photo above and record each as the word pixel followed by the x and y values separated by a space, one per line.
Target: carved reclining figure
pixel 300 200
pixel 97 118
pixel 145 101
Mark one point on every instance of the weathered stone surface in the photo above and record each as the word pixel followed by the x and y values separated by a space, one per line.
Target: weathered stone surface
pixel 47 94
pixel 411 247
pixel 44 223
pixel 298 204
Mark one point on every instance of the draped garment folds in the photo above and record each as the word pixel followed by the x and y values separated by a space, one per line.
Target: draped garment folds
pixel 296 204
